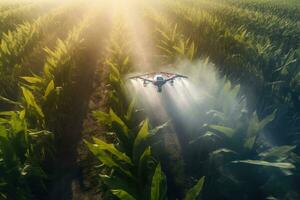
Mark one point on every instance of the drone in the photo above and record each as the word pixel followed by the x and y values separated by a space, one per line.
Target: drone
pixel 158 79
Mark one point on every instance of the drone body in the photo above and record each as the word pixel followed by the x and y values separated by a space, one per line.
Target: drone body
pixel 158 79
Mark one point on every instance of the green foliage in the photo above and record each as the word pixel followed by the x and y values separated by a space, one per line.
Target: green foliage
pixel 227 131
pixel 255 127
pixel 27 142
pixel 275 152
pixel 23 148
pixel 255 46
pixel 130 165
pixel 193 193
pixel 122 195
pixel 158 184
pixel 268 164
pixel 174 46
pixel 131 155
pixel 30 101
pixel 110 148
pixel 17 14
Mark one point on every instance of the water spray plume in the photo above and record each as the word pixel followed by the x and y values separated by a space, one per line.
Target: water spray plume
pixel 189 100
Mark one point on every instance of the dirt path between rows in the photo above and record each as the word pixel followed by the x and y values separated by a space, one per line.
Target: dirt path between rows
pixel 73 176
pixel 86 185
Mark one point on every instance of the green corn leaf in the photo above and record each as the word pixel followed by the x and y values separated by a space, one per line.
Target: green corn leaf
pixel 158 185
pixel 234 92
pixel 130 109
pixel 267 120
pixel 32 80
pixel 22 114
pixel 143 133
pixel 271 198
pixel 180 48
pixel 105 158
pixel 255 127
pixel 174 33
pixel 194 192
pixel 111 148
pixel 114 79
pixel 283 165
pixel 30 100
pixel 141 137
pixel 115 71
pixel 208 135
pixel 123 195
pixel 223 151
pixel 102 117
pixel 48 70
pixel 191 51
pixel 163 34
pixel 143 161
pixel 155 130
pixel 49 88
pixel 39 110
pixel 2 195
pixel 126 60
pixel 3 132
pixel 119 122
pixel 16 124
pixel 276 152
pixel 119 183
pixel 227 87
pixel 101 155
pixel 7 113
pixel 229 132
pixel 10 101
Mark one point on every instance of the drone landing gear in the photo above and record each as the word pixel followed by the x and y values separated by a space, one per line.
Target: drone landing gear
pixel 159 89
pixel 172 82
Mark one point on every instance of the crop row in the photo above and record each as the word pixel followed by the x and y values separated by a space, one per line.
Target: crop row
pixel 130 169
pixel 280 30
pixel 238 130
pixel 286 9
pixel 17 15
pixel 30 133
pixel 16 45
pixel 273 69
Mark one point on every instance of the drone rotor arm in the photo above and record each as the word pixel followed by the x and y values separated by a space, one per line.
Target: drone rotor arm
pixel 176 76
pixel 180 76
pixel 139 77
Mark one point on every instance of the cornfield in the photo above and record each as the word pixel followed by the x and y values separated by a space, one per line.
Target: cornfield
pixel 74 125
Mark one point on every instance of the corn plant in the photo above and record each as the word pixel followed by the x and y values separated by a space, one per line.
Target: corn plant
pixel 25 145
pixel 132 164
pixel 280 30
pixel 172 44
pixel 118 62
pixel 16 45
pixel 8 5
pixel 29 129
pixel 237 145
pixel 10 17
pixel 129 161
pixel 54 88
